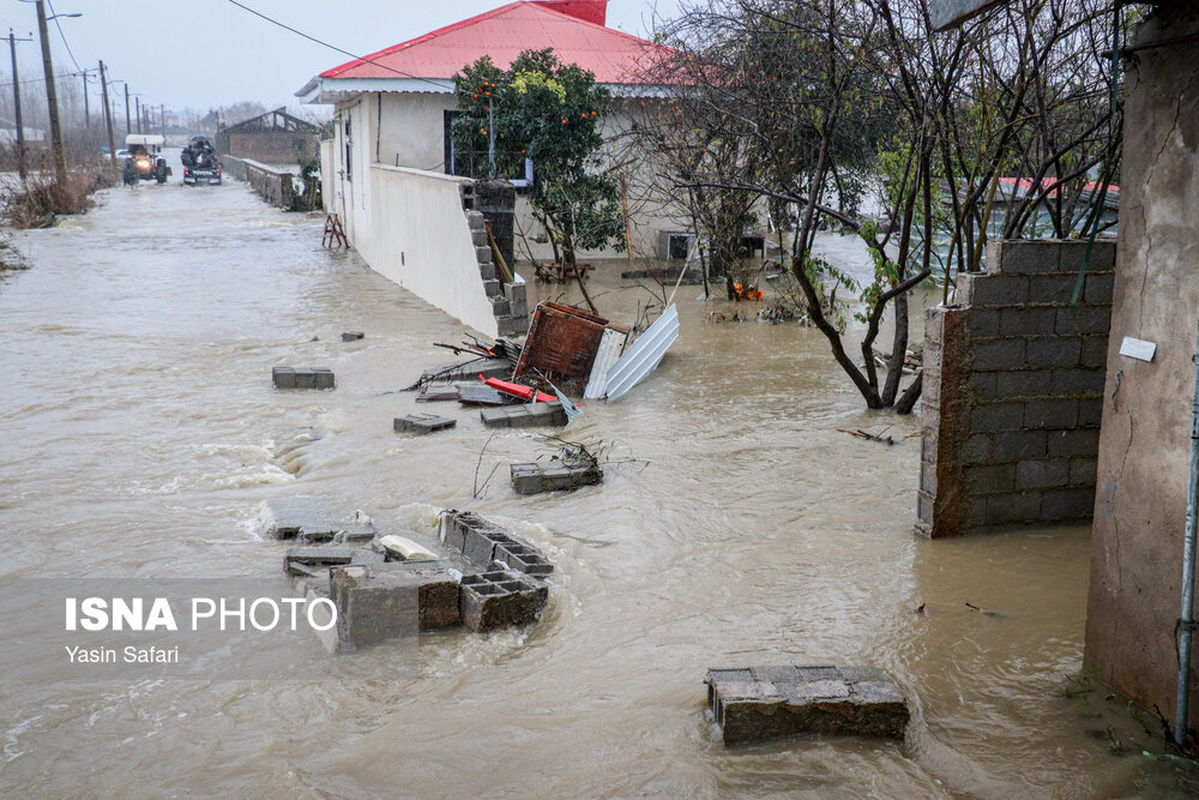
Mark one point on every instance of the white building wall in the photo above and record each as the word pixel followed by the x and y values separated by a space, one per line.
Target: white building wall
pixel 329 186
pixel 407 224
pixel 412 134
pixel 418 237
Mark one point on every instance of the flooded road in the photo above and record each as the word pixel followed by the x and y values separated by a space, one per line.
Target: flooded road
pixel 736 526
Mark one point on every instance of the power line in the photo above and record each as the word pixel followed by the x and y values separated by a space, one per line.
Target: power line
pixel 335 47
pixel 63 36
pixel 41 80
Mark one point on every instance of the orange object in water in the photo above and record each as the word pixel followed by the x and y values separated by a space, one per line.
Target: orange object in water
pixel 746 292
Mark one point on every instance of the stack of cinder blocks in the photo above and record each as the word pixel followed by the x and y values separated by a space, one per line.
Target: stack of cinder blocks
pixel 1013 390
pixel 524 415
pixel 509 301
pixel 756 703
pixel 378 598
pixel 483 543
pixel 553 475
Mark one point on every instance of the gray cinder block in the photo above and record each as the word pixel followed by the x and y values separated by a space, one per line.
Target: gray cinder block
pixel 761 703
pixel 422 423
pixel 498 599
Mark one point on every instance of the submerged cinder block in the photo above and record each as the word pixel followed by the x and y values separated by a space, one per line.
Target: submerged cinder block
pixel 757 703
pixel 553 475
pixel 302 377
pixel 522 558
pixel 498 599
pixel 437 593
pixel 422 423
pixel 372 606
pixel 483 542
pixel 283 377
pixel 525 415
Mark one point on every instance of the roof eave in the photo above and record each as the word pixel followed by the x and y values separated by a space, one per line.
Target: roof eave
pixel 337 90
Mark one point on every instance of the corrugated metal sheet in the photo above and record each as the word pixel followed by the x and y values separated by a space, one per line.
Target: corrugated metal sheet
pixel 644 355
pixel 611 345
pixel 562 340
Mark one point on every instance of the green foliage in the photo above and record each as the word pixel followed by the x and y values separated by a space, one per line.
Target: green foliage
pixel 549 112
pixel 828 279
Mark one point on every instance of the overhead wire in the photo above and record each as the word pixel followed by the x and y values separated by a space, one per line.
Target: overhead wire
pixel 323 43
pixel 63 36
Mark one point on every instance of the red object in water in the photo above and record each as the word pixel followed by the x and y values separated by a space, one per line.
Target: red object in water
pixel 517 390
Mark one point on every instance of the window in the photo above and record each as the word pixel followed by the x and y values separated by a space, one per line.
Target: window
pixel 475 162
pixel 349 150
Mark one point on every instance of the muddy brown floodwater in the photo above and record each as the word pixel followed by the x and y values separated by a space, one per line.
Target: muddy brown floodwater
pixel 140 433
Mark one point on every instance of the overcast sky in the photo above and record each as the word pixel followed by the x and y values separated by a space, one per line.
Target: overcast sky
pixel 203 53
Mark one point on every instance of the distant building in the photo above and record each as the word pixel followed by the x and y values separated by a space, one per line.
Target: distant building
pixel 8 134
pixel 275 137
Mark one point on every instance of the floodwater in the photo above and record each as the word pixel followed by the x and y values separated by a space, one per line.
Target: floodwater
pixel 737 525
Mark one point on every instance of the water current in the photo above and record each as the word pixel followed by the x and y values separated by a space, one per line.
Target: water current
pixel 736 525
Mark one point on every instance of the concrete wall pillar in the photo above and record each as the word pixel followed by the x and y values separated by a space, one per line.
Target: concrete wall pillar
pixel 1140 507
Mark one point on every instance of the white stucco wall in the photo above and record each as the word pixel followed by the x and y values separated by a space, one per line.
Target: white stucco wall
pixel 418 237
pixel 412 134
pixel 328 185
pixel 413 129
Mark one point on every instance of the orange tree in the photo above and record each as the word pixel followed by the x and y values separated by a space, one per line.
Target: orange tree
pixel 550 113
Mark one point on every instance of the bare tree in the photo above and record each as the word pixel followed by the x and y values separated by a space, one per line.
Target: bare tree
pixel 994 122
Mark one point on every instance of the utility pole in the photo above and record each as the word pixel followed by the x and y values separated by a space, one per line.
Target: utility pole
pixel 128 129
pixel 112 147
pixel 60 156
pixel 137 104
pixel 162 118
pixel 16 97
pixel 87 116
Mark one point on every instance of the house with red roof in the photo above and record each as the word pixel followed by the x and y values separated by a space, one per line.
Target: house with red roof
pixel 393 110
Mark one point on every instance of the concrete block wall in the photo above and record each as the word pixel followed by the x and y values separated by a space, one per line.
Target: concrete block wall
pixel 509 301
pixel 272 185
pixel 1013 390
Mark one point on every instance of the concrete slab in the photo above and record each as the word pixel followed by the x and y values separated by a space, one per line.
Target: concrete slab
pixel 422 423
pixel 400 548
pixel 311 562
pixel 288 517
pixel 761 703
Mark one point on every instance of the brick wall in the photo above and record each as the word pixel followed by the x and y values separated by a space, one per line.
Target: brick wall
pixel 1013 385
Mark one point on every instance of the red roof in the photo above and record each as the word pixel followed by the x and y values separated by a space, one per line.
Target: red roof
pixel 573 28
